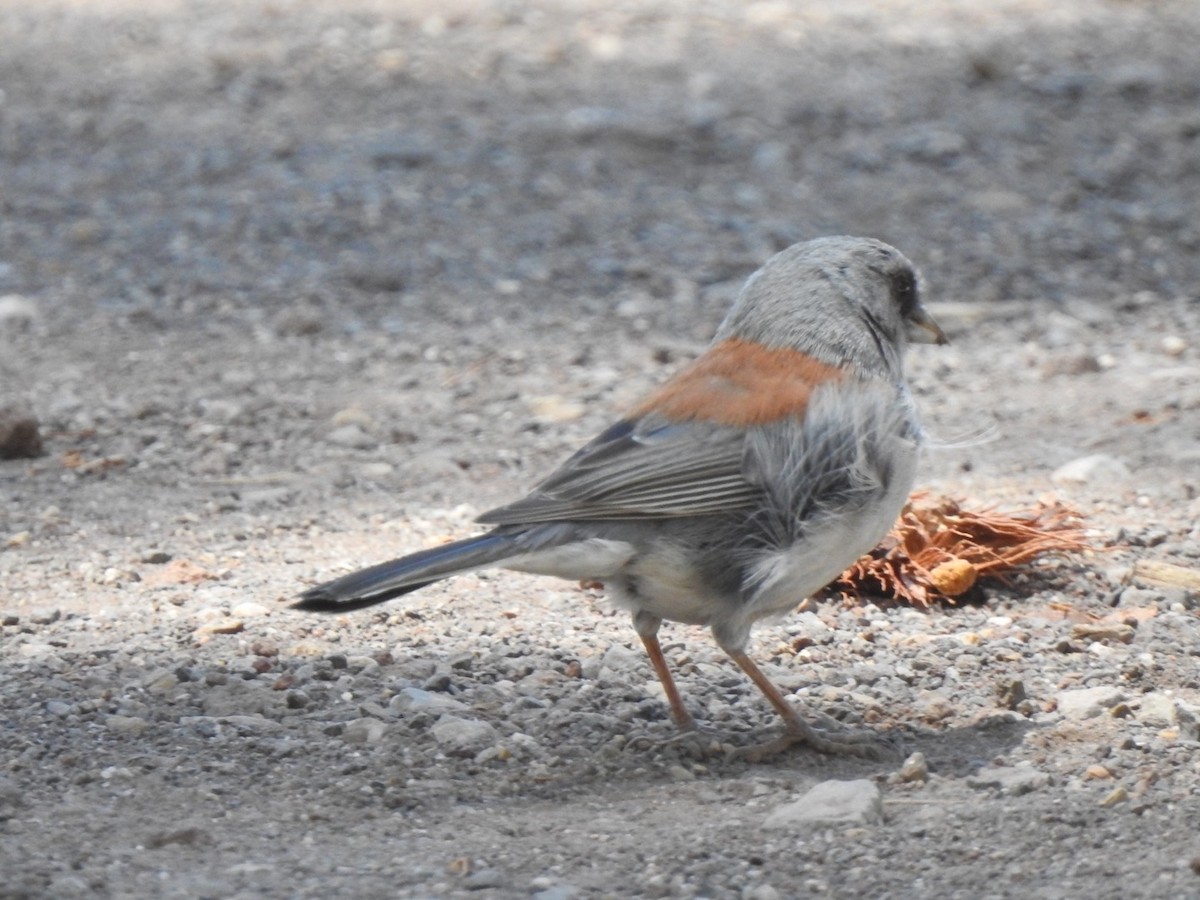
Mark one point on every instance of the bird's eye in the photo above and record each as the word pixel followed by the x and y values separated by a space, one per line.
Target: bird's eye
pixel 904 286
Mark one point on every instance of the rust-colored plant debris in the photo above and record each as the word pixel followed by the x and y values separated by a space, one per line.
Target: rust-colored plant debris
pixel 938 550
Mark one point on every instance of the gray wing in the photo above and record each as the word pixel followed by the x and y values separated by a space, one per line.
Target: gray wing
pixel 642 469
pixel 836 453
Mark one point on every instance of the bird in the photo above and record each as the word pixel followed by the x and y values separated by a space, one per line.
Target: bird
pixel 743 484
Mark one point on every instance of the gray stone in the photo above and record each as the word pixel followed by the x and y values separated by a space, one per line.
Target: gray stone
pixel 414 700
pixel 831 802
pixel 351 436
pixel 915 768
pixel 484 878
pixel 1188 717
pixel 1097 469
pixel 364 731
pixel 126 724
pixel 248 725
pixel 17 310
pixel 461 736
pixel 557 892
pixel 1157 709
pixel 1084 703
pixel 1011 781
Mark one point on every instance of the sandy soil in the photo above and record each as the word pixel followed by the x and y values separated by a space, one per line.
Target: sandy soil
pixel 295 287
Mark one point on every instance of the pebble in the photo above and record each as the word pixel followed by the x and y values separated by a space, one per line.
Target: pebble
pixel 1188 719
pixel 251 725
pixel 17 310
pixel 484 878
pixel 11 797
pixel 1119 794
pixel 411 700
pixel 557 892
pixel 351 436
pixel 1098 469
pixel 460 736
pixel 126 724
pixel 914 769
pixel 1173 345
pixel 762 892
pixel 617 663
pixel 1085 703
pixel 364 731
pixel 1157 709
pixel 831 802
pixel 1010 781
pixel 191 837
pixel 20 437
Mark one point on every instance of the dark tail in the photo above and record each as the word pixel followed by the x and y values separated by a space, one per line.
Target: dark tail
pixel 367 587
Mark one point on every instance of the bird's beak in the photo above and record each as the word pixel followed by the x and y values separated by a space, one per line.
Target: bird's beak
pixel 922 329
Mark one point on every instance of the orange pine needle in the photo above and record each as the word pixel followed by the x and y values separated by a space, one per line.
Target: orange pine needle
pixel 937 550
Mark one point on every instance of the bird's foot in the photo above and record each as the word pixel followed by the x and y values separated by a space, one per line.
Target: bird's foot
pixel 862 744
pixel 693 743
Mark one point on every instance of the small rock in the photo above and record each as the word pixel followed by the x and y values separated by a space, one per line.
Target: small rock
pixel 1097 469
pixel 363 731
pixel 1084 703
pixel 45 616
pixel 249 609
pixel 1103 631
pixel 1011 781
pixel 914 769
pixel 618 662
pixel 1117 795
pixel 19 434
pixel 161 682
pixel 224 626
pixel 189 837
pixel 1173 345
pixel 461 736
pixel 553 409
pixel 251 725
pixel 762 892
pixel 831 802
pixel 351 436
pixel 484 878
pixel 1139 597
pixel 411 700
pixel 201 726
pixel 557 892
pixel 126 724
pixel 1188 718
pixel 57 707
pixel 11 797
pixel 17 310
pixel 1157 709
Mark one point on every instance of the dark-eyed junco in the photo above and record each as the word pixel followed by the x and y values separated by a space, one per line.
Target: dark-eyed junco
pixel 745 483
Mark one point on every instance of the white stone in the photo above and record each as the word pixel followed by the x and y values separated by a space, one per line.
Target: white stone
pixel 1084 703
pixel 1100 468
pixel 459 735
pixel 831 802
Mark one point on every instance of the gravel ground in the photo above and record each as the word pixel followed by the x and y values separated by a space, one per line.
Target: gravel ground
pixel 295 287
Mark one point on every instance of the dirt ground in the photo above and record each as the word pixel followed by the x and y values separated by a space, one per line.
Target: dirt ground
pixel 294 287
